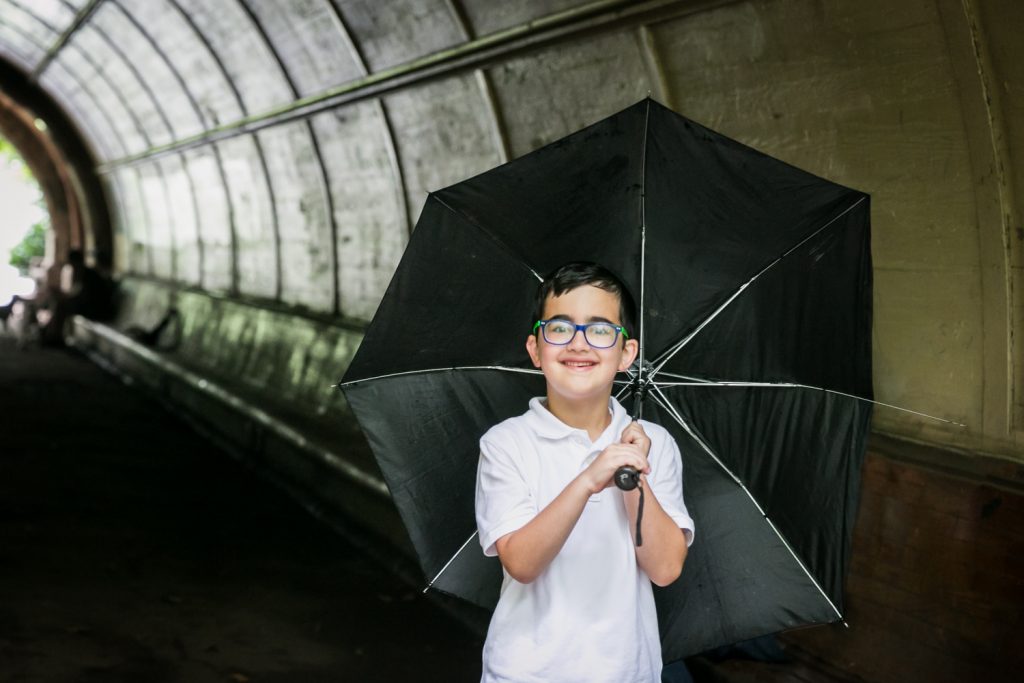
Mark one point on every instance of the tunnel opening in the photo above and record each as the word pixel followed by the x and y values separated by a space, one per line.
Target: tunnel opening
pixel 24 231
pixel 55 153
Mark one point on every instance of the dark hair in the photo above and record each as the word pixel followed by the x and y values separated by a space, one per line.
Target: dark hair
pixel 579 273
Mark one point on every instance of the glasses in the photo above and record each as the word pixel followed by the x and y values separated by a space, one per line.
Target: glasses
pixel 599 335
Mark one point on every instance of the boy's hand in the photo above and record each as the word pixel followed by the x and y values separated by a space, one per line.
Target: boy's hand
pixel 631 451
pixel 635 434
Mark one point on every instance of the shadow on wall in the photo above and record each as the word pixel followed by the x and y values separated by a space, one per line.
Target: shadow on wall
pixel 164 336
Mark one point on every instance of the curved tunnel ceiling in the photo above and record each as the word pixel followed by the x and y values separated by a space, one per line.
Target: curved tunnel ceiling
pixel 282 150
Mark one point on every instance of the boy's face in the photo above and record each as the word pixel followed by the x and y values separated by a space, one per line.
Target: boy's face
pixel 577 371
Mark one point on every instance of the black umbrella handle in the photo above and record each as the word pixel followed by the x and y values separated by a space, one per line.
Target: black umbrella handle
pixel 638 403
pixel 628 478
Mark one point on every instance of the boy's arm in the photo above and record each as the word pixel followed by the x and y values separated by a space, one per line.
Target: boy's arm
pixel 527 552
pixel 664 550
pixel 665 544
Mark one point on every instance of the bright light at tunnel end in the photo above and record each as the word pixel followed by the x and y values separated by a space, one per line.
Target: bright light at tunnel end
pixel 13 283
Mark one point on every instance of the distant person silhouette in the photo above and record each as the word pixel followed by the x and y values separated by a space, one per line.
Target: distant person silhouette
pixel 84 291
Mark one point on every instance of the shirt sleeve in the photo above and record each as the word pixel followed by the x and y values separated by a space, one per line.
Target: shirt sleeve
pixel 666 479
pixel 504 502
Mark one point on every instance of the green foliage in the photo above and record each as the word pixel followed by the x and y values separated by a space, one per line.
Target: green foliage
pixel 33 245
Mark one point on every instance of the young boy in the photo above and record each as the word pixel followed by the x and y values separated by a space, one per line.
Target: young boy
pixel 576 603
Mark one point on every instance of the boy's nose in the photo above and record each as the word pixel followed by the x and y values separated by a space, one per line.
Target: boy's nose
pixel 578 341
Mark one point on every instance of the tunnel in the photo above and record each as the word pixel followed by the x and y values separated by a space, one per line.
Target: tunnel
pixel 250 173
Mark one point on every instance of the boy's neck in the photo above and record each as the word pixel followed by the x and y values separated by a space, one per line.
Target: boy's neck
pixel 592 416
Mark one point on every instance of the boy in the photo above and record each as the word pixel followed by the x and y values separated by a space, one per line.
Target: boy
pixel 576 603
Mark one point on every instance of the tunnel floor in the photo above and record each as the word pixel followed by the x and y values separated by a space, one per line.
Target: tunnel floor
pixel 133 550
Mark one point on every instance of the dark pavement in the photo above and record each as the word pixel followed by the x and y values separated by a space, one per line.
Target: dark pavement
pixel 133 550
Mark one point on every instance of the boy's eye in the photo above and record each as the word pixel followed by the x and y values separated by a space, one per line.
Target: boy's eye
pixel 561 327
pixel 602 330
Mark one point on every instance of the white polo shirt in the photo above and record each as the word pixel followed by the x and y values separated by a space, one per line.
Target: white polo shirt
pixel 590 615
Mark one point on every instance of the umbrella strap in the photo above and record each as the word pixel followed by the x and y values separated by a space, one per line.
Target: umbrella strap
pixel 640 515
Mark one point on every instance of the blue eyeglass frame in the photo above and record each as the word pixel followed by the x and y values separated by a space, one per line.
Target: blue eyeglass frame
pixel 619 329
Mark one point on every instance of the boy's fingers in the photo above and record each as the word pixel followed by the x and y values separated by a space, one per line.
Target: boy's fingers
pixel 626 454
pixel 634 433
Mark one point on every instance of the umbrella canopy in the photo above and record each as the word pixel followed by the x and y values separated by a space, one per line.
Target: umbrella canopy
pixel 753 280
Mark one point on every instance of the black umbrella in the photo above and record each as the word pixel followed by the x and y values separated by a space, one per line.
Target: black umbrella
pixel 754 283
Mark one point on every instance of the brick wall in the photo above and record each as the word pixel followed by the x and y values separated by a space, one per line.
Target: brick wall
pixel 935 590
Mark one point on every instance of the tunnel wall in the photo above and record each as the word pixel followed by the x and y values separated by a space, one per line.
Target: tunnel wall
pixel 277 154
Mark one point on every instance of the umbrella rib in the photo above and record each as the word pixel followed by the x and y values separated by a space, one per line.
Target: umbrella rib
pixel 667 356
pixel 663 401
pixel 449 562
pixel 427 371
pixel 643 241
pixel 489 234
pixel 796 385
pixel 686 378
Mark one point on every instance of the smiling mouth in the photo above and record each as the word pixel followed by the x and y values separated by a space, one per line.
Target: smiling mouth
pixel 579 363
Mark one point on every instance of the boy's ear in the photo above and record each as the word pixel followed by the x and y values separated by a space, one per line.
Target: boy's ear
pixel 629 351
pixel 531 348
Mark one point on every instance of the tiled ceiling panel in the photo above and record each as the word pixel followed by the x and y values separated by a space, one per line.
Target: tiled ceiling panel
pixel 399 31
pixel 242 52
pixel 312 43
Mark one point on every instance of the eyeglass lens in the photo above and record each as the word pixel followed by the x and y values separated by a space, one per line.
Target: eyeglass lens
pixel 598 335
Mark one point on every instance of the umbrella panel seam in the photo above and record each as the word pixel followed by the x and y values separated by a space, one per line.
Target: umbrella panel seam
pixel 697 382
pixel 490 235
pixel 672 351
pixel 454 368
pixel 662 400
pixel 449 562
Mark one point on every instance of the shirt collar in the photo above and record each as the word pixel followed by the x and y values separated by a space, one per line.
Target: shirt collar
pixel 545 425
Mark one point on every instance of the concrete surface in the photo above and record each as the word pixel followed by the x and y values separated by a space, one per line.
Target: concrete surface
pixel 134 551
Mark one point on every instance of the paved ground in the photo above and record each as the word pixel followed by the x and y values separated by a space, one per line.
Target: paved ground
pixel 131 550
